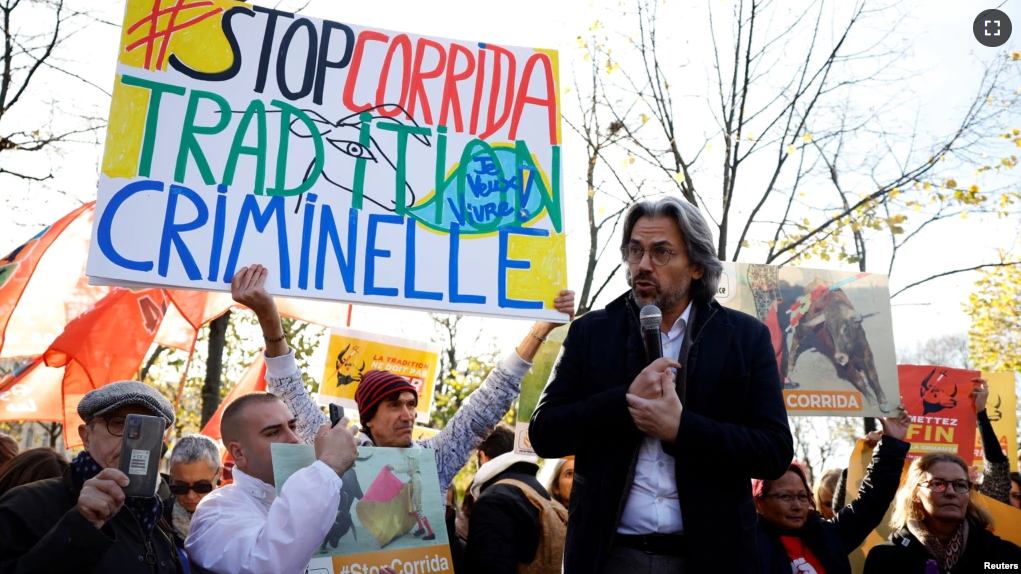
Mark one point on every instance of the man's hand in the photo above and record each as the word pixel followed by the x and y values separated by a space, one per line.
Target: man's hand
pixel 897 427
pixel 248 287
pixel 659 417
pixel 102 497
pixel 337 446
pixel 649 384
pixel 979 394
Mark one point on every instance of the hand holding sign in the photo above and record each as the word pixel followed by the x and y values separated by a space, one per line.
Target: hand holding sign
pixel 896 427
pixel 980 393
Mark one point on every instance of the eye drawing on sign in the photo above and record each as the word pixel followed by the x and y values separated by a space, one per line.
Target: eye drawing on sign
pixel 345 147
pixel 937 395
pixel 824 319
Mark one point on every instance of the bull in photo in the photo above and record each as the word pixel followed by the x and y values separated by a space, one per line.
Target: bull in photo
pixel 833 327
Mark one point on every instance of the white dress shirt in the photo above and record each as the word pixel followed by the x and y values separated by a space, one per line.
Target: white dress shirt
pixel 245 527
pixel 652 506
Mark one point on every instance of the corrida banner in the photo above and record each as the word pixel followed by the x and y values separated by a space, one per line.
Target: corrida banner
pixel 358 164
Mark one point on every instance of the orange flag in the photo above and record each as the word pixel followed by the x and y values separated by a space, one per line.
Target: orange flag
pixel 32 393
pixel 106 344
pixel 43 285
pixel 253 380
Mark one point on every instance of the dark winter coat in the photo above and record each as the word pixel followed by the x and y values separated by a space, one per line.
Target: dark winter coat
pixel 733 428
pixel 904 554
pixel 504 528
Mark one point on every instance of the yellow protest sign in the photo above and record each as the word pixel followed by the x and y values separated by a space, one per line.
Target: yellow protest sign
pixel 1002 410
pixel 351 353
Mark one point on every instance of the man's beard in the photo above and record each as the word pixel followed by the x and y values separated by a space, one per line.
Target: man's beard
pixel 661 300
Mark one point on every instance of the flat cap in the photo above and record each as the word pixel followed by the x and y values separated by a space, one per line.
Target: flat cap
pixel 109 398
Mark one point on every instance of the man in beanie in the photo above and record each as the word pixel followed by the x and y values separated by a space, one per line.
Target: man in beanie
pixel 82 522
pixel 386 402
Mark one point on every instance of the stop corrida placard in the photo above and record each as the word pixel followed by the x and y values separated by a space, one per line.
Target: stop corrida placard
pixel 941 408
pixel 358 164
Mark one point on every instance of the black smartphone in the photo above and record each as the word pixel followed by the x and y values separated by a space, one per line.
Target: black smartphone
pixel 140 454
pixel 336 413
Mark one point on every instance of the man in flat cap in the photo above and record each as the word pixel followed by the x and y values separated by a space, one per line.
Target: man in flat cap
pixel 82 522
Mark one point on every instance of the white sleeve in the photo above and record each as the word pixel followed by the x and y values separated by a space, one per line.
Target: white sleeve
pixel 230 535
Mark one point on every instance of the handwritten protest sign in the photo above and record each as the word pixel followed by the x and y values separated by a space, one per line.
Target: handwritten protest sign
pixel 942 412
pixel 1001 407
pixel 832 334
pixel 533 384
pixel 352 352
pixel 358 164
pixel 374 527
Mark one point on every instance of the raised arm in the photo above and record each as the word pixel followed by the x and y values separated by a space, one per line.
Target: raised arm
pixel 995 465
pixel 487 406
pixel 283 377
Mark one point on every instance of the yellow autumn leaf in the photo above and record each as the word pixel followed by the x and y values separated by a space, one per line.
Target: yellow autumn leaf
pixel 894 193
pixel 1015 56
pixel 790 149
pixel 807 138
pixel 591 192
pixel 630 159
pixel 973 189
pixel 645 118
pixel 679 176
pixel 927 186
pixel 708 147
pixel 1016 131
pixel 951 182
pixel 751 137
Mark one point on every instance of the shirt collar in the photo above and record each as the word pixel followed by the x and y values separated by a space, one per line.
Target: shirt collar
pixel 265 493
pixel 678 327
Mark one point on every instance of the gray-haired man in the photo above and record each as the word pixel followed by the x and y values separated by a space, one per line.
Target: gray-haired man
pixel 668 489
pixel 82 522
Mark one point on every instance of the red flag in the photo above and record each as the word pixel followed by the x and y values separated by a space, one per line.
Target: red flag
pixel 942 412
pixel 32 393
pixel 106 344
pixel 253 380
pixel 43 285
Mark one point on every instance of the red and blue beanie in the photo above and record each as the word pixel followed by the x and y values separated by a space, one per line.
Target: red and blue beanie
pixel 375 386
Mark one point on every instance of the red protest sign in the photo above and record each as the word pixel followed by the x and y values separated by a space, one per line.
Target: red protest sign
pixel 942 411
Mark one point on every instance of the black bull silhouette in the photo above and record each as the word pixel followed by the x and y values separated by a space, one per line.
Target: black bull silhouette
pixel 349 491
pixel 833 327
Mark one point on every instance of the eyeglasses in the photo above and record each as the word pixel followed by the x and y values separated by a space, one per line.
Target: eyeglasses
pixel 659 255
pixel 788 498
pixel 181 489
pixel 937 485
pixel 114 425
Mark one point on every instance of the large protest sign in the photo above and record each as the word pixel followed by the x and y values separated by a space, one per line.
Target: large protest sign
pixel 357 164
pixel 385 499
pixel 832 334
pixel 1001 407
pixel 942 411
pixel 352 352
pixel 533 384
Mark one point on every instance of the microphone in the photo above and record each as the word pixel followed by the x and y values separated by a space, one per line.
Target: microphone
pixel 651 319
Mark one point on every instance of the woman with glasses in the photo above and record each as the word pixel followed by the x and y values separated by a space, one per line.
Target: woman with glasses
pixel 938 525
pixel 793 535
pixel 194 473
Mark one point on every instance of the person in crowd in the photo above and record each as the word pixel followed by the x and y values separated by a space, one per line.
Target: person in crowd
pixel 505 529
pixel 194 473
pixel 8 449
pixel 935 519
pixel 229 522
pixel 386 402
pixel 82 521
pixel 1015 490
pixel 824 490
pixel 793 536
pixel 32 465
pixel 561 481
pixel 639 430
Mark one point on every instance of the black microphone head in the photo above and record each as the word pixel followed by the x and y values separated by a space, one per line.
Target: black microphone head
pixel 651 317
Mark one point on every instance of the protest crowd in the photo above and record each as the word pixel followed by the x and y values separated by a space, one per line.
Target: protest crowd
pixel 660 440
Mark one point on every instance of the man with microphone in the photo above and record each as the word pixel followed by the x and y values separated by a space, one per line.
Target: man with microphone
pixel 665 448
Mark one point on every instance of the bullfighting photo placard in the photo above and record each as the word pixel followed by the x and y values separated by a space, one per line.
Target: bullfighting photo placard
pixel 832 335
pixel 352 352
pixel 390 512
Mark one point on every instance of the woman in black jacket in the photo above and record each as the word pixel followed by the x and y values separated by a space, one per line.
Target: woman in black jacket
pixel 936 520
pixel 793 536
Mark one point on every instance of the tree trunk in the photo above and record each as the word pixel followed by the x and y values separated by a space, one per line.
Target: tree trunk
pixel 214 367
pixel 54 430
